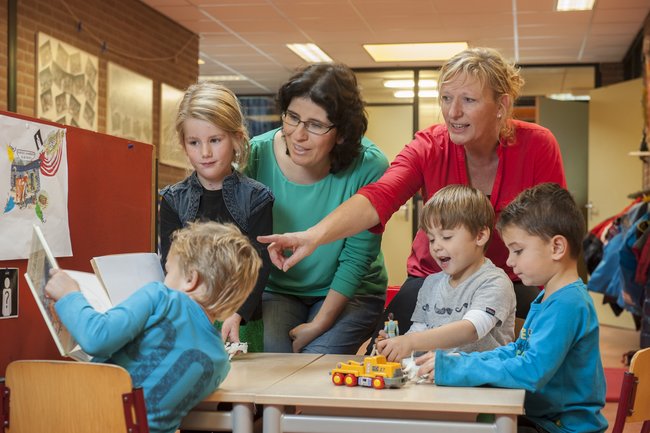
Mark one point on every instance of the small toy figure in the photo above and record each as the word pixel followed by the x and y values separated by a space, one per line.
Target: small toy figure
pixel 235 349
pixel 391 327
pixel 410 370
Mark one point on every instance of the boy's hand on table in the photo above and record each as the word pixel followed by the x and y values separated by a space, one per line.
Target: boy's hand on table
pixel 427 365
pixel 60 284
pixel 395 349
pixel 381 336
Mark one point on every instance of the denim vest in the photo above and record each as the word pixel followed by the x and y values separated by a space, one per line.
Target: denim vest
pixel 243 197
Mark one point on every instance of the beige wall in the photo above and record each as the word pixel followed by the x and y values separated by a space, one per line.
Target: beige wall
pixel 615 128
pixel 390 128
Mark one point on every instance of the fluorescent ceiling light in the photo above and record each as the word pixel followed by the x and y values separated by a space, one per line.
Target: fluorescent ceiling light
pixel 574 5
pixel 409 84
pixel 223 78
pixel 568 97
pixel 414 52
pixel 310 53
pixel 411 93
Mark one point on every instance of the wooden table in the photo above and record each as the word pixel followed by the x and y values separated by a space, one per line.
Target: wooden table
pixel 249 374
pixel 326 408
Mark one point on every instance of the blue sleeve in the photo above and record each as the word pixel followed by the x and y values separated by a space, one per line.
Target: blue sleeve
pixel 527 364
pixel 361 250
pixel 102 334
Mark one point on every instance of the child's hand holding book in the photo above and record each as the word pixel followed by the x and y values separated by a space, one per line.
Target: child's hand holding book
pixel 60 284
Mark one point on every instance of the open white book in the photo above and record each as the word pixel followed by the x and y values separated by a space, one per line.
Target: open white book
pixel 116 277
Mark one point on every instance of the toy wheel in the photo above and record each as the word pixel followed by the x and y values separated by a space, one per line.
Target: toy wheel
pixel 337 379
pixel 378 383
pixel 350 380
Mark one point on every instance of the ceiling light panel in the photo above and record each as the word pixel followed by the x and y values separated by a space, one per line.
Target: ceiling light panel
pixel 310 53
pixel 414 52
pixel 409 84
pixel 421 94
pixel 574 5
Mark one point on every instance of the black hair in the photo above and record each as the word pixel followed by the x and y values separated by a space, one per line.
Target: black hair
pixel 333 87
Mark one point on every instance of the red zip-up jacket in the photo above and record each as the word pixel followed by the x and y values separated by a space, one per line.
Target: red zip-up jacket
pixel 432 161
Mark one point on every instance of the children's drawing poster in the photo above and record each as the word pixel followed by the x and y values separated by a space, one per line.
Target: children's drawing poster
pixel 33 187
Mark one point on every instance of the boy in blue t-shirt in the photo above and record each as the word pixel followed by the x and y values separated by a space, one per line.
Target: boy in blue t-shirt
pixel 556 358
pixel 163 334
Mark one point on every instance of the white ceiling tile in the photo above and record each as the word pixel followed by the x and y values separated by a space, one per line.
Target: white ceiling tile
pixel 229 12
pixel 159 3
pixel 181 13
pixel 251 34
pixel 202 26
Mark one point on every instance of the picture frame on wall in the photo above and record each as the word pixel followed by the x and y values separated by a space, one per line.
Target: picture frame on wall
pixel 129 104
pixel 171 153
pixel 66 83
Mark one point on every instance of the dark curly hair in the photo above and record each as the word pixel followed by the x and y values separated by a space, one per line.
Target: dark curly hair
pixel 333 87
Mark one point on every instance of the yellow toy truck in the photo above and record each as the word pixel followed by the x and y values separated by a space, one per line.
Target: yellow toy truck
pixel 374 372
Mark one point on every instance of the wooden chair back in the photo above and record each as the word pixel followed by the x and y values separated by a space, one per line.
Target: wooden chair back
pixel 71 397
pixel 634 403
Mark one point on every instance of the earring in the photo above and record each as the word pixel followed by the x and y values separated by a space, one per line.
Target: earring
pixel 499 116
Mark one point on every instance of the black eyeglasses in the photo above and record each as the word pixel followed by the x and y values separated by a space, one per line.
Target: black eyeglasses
pixel 312 126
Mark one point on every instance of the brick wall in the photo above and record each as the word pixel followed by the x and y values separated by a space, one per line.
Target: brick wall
pixel 133 32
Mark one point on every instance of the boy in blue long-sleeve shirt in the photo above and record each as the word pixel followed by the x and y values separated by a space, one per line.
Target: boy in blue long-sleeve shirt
pixel 556 358
pixel 163 334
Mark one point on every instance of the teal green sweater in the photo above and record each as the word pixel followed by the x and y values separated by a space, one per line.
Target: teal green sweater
pixel 353 266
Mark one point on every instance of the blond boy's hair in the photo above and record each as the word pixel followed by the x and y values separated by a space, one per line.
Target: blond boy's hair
pixel 216 104
pixel 458 205
pixel 225 261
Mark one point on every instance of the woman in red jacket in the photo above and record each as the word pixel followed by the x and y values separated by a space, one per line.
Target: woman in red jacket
pixel 480 144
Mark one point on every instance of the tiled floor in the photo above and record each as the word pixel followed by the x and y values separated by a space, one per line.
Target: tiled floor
pixel 614 342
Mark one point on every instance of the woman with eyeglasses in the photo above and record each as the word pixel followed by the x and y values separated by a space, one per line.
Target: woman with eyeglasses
pixel 331 301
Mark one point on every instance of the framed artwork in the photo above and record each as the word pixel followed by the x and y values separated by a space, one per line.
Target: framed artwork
pixel 66 83
pixel 171 152
pixel 130 104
